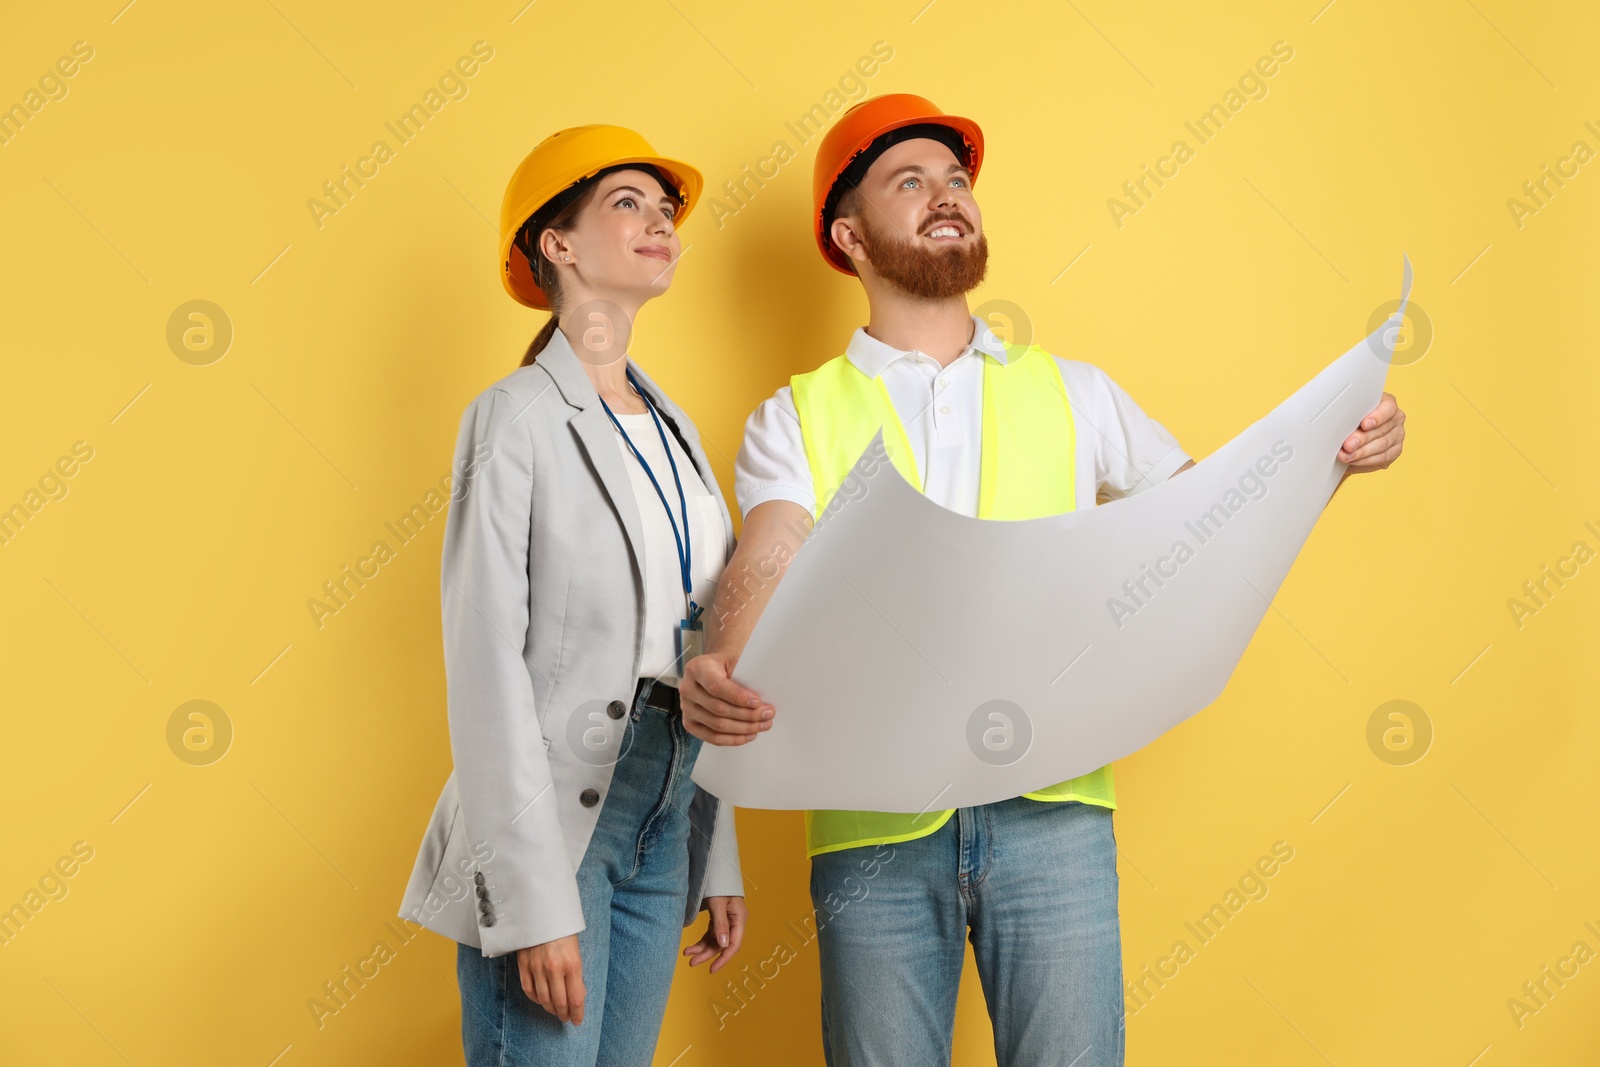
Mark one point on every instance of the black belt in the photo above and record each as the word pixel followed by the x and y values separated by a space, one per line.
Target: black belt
pixel 663 696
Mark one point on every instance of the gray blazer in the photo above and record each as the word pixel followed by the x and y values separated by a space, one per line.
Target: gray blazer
pixel 543 602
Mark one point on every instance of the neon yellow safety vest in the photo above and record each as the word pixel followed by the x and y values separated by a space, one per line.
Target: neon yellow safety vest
pixel 1026 471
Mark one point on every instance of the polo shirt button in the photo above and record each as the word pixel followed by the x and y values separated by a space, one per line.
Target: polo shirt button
pixel 616 709
pixel 589 798
pixel 944 411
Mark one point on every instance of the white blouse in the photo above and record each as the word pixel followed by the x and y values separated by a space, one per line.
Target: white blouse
pixel 663 584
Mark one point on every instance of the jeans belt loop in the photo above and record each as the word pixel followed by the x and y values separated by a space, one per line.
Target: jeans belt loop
pixel 663 696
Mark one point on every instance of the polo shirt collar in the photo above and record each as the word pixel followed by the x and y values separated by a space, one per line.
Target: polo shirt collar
pixel 871 355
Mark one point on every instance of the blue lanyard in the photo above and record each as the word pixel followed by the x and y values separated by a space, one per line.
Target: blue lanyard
pixel 684 548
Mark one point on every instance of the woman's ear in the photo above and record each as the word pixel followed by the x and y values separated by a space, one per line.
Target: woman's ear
pixel 554 248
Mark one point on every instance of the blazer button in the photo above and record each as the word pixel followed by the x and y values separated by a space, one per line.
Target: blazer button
pixel 589 798
pixel 616 709
pixel 488 920
pixel 483 906
pixel 478 877
pixel 483 893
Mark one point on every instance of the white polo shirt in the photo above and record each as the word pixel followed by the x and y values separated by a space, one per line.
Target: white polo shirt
pixel 1120 449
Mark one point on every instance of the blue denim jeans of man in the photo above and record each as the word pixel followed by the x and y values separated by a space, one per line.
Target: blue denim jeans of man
pixel 632 883
pixel 1033 884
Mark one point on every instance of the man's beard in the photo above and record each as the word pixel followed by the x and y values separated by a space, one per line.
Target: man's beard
pixel 928 274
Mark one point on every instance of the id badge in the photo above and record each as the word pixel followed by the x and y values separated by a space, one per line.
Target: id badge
pixel 690 641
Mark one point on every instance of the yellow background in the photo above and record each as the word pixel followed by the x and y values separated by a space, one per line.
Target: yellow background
pixel 219 498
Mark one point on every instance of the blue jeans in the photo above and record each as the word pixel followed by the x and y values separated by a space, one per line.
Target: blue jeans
pixel 1035 884
pixel 632 882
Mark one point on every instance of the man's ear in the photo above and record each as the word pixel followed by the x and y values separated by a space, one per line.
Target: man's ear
pixel 846 236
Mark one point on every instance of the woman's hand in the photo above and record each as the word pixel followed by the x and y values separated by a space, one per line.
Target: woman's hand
pixel 552 977
pixel 724 932
pixel 717 709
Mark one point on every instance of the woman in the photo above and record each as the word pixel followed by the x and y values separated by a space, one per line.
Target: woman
pixel 585 531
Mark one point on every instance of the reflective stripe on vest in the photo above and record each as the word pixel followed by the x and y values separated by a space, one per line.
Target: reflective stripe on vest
pixel 1027 470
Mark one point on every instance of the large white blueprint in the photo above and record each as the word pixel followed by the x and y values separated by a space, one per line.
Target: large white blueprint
pixel 919 659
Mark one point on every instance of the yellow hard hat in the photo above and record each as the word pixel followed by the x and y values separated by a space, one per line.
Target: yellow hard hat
pixel 557 163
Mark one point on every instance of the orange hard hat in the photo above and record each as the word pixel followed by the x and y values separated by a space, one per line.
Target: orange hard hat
pixel 556 164
pixel 854 133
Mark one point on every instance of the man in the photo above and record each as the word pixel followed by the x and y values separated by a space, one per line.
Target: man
pixel 988 429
